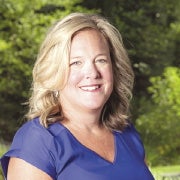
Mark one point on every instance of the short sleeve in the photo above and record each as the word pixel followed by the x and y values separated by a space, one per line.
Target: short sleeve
pixel 34 144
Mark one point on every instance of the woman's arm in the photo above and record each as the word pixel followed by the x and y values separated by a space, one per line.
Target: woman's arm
pixel 19 169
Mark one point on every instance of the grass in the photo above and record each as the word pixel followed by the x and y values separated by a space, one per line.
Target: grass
pixel 158 171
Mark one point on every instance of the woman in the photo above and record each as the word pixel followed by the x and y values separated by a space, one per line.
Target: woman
pixel 78 128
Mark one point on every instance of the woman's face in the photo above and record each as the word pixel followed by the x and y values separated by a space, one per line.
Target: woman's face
pixel 90 80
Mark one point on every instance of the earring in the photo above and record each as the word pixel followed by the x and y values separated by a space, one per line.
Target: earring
pixel 56 94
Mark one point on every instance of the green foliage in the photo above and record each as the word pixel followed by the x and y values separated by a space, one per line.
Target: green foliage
pixel 146 29
pixel 165 89
pixel 159 124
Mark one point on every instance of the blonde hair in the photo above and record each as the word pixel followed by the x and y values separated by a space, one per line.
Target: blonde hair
pixel 51 70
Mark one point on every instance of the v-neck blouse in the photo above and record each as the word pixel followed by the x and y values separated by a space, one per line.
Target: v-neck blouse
pixel 58 153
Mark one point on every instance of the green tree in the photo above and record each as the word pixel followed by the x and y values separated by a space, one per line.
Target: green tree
pixel 161 119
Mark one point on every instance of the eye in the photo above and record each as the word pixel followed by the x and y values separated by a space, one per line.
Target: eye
pixel 75 63
pixel 103 61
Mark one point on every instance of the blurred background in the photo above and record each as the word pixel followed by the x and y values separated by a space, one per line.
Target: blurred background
pixel 151 34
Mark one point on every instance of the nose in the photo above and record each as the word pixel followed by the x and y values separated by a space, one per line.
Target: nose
pixel 91 71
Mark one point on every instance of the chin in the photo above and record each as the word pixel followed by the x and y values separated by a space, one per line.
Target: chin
pixel 94 107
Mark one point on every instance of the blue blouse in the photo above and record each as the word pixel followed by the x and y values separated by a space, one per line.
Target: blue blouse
pixel 58 153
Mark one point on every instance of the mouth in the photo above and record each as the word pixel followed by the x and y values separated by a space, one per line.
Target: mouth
pixel 90 88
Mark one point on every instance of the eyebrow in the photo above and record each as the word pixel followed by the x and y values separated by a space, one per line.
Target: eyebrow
pixel 79 57
pixel 76 57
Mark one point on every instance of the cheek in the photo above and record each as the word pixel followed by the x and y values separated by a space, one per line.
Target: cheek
pixel 108 74
pixel 110 77
pixel 74 78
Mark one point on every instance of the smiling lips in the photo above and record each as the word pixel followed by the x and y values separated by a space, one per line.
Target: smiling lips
pixel 90 88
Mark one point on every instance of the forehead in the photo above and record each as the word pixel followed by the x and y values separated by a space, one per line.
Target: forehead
pixel 88 31
pixel 89 39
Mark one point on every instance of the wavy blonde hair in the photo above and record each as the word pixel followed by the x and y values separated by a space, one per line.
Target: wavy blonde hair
pixel 51 70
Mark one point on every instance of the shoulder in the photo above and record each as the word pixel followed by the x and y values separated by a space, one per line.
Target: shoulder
pixel 132 138
pixel 32 133
pixel 35 141
pixel 36 145
pixel 131 131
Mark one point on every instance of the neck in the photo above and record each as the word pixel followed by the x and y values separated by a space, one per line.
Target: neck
pixel 89 120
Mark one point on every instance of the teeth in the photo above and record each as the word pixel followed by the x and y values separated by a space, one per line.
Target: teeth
pixel 90 88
